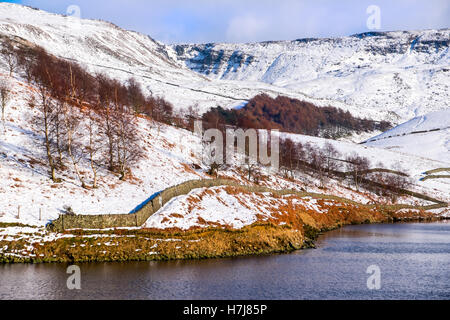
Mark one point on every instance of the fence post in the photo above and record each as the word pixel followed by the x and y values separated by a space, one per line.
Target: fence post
pixel 40 214
pixel 18 212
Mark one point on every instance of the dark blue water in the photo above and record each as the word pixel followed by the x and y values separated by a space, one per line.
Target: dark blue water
pixel 414 260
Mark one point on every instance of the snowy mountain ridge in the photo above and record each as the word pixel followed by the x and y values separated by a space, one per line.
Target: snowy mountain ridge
pixel 390 76
pixel 103 47
pixel 406 72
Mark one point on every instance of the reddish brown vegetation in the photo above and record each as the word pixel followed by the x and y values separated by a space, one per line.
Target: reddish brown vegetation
pixel 84 116
pixel 292 115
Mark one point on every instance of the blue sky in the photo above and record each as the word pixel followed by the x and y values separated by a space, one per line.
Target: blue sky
pixel 174 21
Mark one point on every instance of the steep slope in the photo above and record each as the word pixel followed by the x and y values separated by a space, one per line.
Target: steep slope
pixel 426 136
pixel 170 156
pixel 406 73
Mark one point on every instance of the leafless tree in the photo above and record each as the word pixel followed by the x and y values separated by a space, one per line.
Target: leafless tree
pixel 9 56
pixel 289 157
pixel 71 120
pixel 192 114
pixel 357 165
pixel 135 96
pixel 5 96
pixel 43 120
pixel 332 155
pixel 128 148
pixel 43 81
pixel 107 115
pixel 94 147
pixel 318 160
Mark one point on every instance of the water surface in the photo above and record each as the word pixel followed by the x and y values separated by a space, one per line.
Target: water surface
pixel 414 260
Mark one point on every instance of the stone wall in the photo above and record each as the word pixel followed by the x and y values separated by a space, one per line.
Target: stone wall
pixel 138 218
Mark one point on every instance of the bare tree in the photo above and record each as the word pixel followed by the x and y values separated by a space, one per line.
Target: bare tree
pixel 25 61
pixel 289 157
pixel 332 155
pixel 107 114
pixel 128 148
pixel 71 126
pixel 43 120
pixel 5 96
pixel 94 147
pixel 192 114
pixel 357 165
pixel 318 160
pixel 136 98
pixel 43 81
pixel 163 111
pixel 57 126
pixel 252 169
pixel 9 55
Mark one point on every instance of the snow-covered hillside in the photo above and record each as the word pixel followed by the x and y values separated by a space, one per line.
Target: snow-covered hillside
pixel 393 76
pixel 170 157
pixel 427 136
pixel 28 196
pixel 407 73
pixel 103 47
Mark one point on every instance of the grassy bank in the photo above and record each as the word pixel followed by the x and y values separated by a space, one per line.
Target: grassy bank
pixel 293 230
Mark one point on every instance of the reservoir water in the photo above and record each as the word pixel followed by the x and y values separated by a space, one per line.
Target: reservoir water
pixel 413 260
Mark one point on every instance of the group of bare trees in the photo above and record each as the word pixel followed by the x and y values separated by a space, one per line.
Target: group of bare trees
pixel 326 162
pixel 82 117
pixel 10 59
pixel 292 115
pixel 310 158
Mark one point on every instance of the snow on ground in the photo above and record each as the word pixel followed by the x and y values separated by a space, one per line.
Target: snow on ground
pixel 410 138
pixel 412 164
pixel 169 153
pixel 403 72
pixel 226 207
pixel 103 47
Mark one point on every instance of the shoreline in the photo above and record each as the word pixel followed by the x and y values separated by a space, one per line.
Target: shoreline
pixel 120 245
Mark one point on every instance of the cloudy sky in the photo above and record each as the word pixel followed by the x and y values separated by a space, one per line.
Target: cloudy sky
pixel 174 21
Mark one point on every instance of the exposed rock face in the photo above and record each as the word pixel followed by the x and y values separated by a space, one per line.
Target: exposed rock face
pixel 227 61
pixel 375 69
